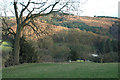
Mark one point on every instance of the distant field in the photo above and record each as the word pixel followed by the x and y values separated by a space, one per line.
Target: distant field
pixel 63 70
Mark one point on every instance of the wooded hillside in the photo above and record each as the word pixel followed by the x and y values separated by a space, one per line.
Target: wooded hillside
pixel 63 37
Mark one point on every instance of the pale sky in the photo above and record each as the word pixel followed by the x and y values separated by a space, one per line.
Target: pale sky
pixel 101 8
pixel 95 7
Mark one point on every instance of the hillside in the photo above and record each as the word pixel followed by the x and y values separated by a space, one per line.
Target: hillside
pixel 66 37
pixel 54 23
pixel 98 25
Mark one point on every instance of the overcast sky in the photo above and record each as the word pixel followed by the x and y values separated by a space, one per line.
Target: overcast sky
pixel 101 8
pixel 96 7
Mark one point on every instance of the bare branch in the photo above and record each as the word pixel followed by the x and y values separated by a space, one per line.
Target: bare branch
pixel 39 7
pixel 16 12
pixel 35 31
pixel 9 30
pixel 30 12
pixel 39 3
pixel 33 23
pixel 39 14
pixel 25 7
pixel 12 11
pixel 63 6
pixel 3 21
pixel 27 23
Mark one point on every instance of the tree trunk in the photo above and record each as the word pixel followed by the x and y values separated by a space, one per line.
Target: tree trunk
pixel 17 46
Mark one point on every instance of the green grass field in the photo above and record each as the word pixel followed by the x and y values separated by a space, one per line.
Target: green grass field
pixel 62 70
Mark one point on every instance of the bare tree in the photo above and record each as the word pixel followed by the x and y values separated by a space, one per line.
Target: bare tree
pixel 25 12
pixel 5 28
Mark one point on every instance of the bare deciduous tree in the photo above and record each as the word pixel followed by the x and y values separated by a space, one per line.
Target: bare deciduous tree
pixel 26 11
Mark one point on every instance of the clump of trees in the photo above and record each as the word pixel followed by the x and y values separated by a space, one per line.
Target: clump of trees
pixel 38 8
pixel 27 52
pixel 108 50
pixel 62 47
pixel 72 44
pixel 69 44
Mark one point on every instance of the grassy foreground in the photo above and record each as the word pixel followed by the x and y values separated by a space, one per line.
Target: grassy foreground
pixel 62 70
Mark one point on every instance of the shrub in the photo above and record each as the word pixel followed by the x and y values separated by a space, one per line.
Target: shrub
pixel 111 57
pixel 6 48
pixel 27 52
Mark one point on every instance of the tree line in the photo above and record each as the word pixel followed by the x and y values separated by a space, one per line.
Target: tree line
pixel 72 44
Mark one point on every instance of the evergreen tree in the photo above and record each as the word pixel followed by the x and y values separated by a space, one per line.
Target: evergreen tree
pixel 102 47
pixel 108 47
pixel 114 44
